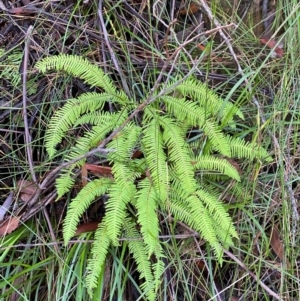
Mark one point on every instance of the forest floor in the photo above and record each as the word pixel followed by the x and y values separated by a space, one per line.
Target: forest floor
pixel 245 51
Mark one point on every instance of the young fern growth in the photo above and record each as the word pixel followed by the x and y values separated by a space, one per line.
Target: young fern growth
pixel 164 177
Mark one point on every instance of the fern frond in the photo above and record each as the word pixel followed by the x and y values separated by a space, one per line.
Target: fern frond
pixel 99 252
pixel 65 181
pixel 119 197
pixel 96 118
pixel 184 110
pixel 81 68
pixel 208 99
pixel 216 138
pixel 139 165
pixel 123 145
pixel 224 237
pixel 192 212
pixel 208 162
pixel 137 249
pixel 152 145
pixel 124 142
pixel 204 224
pixel 147 217
pixel 216 210
pixel 158 269
pixel 207 176
pixel 196 214
pixel 124 173
pixel 165 174
pixel 66 117
pixel 243 149
pixel 82 201
pixel 178 154
pixel 179 209
pixel 92 138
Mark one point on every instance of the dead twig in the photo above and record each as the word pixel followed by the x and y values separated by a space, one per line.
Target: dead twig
pixel 51 231
pixel 24 92
pixel 111 52
pixel 265 287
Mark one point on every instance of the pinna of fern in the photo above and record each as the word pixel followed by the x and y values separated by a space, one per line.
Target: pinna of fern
pixel 164 178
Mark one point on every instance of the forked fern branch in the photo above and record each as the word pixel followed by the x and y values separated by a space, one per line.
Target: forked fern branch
pixel 164 174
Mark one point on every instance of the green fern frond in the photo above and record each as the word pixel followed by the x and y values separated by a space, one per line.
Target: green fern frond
pixel 88 141
pixel 96 118
pixel 82 201
pixel 192 212
pixel 216 210
pixel 152 146
pixel 184 110
pixel 165 174
pixel 196 214
pixel 178 154
pixel 216 138
pixel 204 224
pixel 224 237
pixel 207 162
pixel 78 67
pixel 243 149
pixel 99 253
pixel 158 269
pixel 124 173
pixel 179 209
pixel 147 217
pixel 123 145
pixel 67 116
pixel 210 176
pixel 137 249
pixel 119 197
pixel 65 181
pixel 208 99
pixel 124 142
pixel 93 137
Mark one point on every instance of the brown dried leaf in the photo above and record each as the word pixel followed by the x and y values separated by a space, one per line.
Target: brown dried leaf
pixel 98 170
pixel 9 225
pixel 277 51
pixel 88 227
pixel 276 244
pixel 190 10
pixel 27 189
pixel 136 154
pixel 84 175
